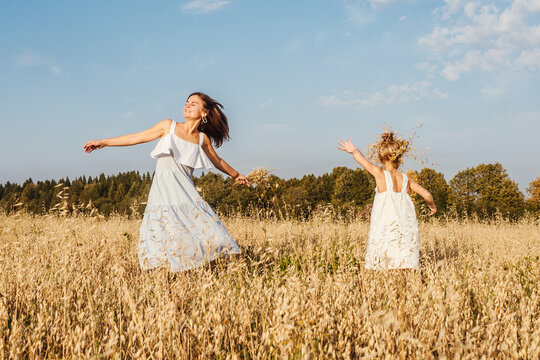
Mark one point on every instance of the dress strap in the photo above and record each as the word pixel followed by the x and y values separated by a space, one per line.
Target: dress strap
pixel 404 184
pixel 201 138
pixel 173 126
pixel 388 178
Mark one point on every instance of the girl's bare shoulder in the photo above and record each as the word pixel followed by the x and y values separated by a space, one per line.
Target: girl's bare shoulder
pixel 378 173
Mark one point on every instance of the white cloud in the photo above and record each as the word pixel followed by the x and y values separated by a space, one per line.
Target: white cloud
pixel 294 45
pixel 362 12
pixel 320 37
pixel 427 67
pixel 359 13
pixel 347 98
pixel 493 92
pixel 380 4
pixel 55 69
pixel 530 59
pixel 451 7
pixel 129 114
pixel 204 6
pixel 477 35
pixel 31 58
pixel 391 95
pixel 268 102
pixel 529 120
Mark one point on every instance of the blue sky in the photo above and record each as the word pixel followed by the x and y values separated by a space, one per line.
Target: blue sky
pixel 294 76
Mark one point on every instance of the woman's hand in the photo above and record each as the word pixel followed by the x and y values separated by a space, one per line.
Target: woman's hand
pixel 433 210
pixel 347 146
pixel 242 180
pixel 93 145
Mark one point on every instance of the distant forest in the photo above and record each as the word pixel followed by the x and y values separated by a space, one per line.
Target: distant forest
pixel 483 191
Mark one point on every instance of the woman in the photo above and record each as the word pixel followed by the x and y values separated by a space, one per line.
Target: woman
pixel 179 230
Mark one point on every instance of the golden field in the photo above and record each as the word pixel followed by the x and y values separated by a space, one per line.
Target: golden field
pixel 71 288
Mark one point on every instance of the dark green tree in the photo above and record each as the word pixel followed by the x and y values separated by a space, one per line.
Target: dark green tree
pixel 533 202
pixel 352 189
pixel 484 190
pixel 435 183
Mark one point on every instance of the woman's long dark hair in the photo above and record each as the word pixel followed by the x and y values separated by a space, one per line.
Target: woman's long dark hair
pixel 217 125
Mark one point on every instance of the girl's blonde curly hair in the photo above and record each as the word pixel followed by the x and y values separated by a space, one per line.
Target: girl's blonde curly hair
pixel 391 149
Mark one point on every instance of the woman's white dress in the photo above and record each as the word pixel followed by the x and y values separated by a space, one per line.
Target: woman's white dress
pixel 179 230
pixel 393 241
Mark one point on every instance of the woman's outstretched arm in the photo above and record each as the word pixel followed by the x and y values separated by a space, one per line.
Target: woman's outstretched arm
pixel 153 133
pixel 426 195
pixel 347 146
pixel 221 164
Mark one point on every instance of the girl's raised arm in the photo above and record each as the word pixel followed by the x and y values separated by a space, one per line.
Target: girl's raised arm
pixel 221 164
pixel 426 195
pixel 153 133
pixel 347 146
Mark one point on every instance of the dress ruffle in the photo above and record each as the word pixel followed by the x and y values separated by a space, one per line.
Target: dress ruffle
pixel 183 151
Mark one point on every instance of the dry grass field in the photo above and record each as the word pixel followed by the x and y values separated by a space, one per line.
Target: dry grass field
pixel 71 288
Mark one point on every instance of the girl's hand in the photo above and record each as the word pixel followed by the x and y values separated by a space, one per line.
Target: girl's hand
pixel 433 209
pixel 347 145
pixel 93 145
pixel 241 179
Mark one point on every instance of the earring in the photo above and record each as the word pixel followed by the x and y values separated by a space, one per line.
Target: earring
pixel 204 119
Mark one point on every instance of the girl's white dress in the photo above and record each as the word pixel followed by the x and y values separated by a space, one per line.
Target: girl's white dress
pixel 393 241
pixel 179 230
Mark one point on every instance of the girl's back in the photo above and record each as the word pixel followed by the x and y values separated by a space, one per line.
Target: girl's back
pixel 397 180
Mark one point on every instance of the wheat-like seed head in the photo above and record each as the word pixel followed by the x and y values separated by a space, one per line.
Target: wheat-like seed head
pixel 259 176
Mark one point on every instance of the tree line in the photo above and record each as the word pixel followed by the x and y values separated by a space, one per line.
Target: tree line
pixel 482 191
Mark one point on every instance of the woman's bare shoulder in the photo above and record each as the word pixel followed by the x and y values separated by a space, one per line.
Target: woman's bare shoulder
pixel 165 123
pixel 206 140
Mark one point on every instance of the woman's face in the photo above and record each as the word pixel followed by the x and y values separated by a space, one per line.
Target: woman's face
pixel 194 108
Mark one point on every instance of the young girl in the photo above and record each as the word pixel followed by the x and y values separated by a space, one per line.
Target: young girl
pixel 179 231
pixel 393 241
